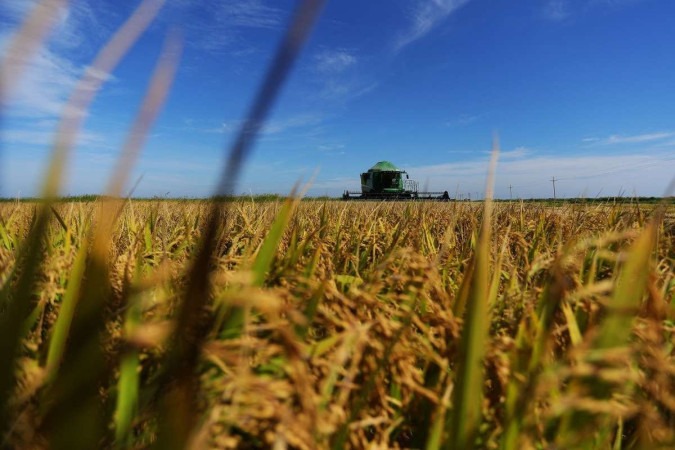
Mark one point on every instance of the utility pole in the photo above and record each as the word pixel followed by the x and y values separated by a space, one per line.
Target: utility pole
pixel 553 181
pixel 510 192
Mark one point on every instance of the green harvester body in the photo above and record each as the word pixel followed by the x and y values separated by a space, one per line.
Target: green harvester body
pixel 385 181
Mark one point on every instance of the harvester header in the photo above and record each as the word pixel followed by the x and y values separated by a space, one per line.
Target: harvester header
pixel 385 181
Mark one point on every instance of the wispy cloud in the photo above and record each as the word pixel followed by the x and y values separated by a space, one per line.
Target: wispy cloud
pixel 530 174
pixel 77 27
pixel 51 73
pixel 634 139
pixel 345 90
pixel 557 10
pixel 332 149
pixel 560 10
pixel 277 126
pixel 463 120
pixel 339 75
pixel 45 138
pixel 334 61
pixel 516 153
pixel 424 17
pixel 216 26
pixel 271 127
pixel 250 13
pixel 44 87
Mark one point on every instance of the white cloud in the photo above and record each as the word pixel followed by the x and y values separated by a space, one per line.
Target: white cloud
pixel 276 126
pixel 332 149
pixel 50 74
pixel 271 127
pixel 516 153
pixel 216 26
pixel 334 61
pixel 45 138
pixel 339 75
pixel 424 17
pixel 463 120
pixel 344 90
pixel 44 87
pixel 557 10
pixel 578 174
pixel 249 13
pixel 634 139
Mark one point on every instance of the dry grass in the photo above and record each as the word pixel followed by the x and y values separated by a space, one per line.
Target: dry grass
pixel 322 324
pixel 344 327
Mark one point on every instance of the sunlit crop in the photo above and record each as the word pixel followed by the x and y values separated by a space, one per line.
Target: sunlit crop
pixel 333 324
pixel 306 324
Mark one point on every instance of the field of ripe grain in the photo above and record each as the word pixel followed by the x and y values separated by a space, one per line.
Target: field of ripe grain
pixel 337 325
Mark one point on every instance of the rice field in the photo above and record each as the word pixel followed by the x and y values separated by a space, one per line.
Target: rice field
pixel 328 324
pixel 292 324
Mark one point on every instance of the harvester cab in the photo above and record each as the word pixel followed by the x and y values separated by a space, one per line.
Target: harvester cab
pixel 384 181
pixel 383 177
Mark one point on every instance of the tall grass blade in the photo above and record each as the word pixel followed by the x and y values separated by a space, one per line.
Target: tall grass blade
pixel 177 415
pixel 265 257
pixel 57 343
pixel 14 308
pixel 629 292
pixel 468 389
pixel 76 387
pixel 128 385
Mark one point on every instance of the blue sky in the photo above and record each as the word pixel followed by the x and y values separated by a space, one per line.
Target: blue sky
pixel 583 90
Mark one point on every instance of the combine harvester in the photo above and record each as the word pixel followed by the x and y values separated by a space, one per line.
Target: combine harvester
pixel 384 181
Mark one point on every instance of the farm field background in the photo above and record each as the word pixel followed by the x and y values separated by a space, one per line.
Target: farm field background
pixel 327 324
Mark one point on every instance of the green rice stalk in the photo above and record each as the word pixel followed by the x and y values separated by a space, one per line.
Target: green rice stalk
pixel 629 292
pixel 76 386
pixel 465 288
pixel 57 343
pixel 468 386
pixel 234 316
pixel 529 357
pixel 5 236
pixel 128 383
pixel 265 257
pixel 582 428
